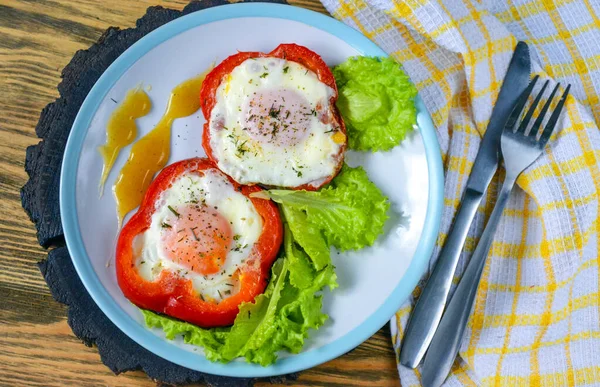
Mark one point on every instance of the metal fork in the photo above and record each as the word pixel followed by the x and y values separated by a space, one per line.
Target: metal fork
pixel 519 150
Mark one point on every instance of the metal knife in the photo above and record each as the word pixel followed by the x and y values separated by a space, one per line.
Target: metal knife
pixel 430 306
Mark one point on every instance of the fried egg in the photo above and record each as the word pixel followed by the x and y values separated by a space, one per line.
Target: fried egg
pixel 273 124
pixel 203 230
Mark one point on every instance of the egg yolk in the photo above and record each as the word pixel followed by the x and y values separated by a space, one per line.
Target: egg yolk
pixel 278 116
pixel 197 237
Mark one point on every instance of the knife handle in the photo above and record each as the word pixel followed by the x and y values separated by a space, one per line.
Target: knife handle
pixel 448 337
pixel 429 308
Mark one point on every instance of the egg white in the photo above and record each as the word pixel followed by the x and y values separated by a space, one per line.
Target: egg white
pixel 213 189
pixel 310 161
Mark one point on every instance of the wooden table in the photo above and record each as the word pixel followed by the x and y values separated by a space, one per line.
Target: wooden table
pixel 37 347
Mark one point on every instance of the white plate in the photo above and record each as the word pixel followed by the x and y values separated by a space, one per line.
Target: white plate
pixel 373 281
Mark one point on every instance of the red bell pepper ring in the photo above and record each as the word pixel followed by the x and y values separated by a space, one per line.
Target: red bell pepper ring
pixel 291 52
pixel 174 295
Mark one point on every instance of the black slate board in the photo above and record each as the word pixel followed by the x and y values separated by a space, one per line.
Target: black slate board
pixel 40 200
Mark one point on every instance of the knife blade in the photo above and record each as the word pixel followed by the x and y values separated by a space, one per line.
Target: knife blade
pixel 488 156
pixel 430 305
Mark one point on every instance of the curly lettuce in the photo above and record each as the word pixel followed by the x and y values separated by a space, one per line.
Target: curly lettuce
pixel 349 213
pixel 376 101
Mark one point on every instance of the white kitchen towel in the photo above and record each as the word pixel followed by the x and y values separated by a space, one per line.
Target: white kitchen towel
pixel 536 318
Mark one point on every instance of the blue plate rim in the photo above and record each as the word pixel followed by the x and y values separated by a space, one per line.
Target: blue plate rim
pixel 162 347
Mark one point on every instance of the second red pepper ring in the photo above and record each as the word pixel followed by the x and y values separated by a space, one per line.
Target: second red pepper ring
pixel 173 293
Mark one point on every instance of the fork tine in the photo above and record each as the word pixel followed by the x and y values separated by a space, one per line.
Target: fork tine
pixel 531 110
pixel 540 118
pixel 518 109
pixel 554 118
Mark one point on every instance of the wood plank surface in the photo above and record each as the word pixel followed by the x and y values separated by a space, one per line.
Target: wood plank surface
pixel 37 348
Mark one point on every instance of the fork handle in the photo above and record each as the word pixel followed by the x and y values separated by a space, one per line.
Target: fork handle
pixel 429 308
pixel 447 339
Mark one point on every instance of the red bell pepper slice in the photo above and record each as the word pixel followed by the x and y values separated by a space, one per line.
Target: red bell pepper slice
pixel 291 52
pixel 174 295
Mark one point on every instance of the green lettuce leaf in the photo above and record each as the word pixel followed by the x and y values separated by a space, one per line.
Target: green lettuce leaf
pixel 211 339
pixel 277 319
pixel 302 272
pixel 253 325
pixel 349 214
pixel 309 236
pixel 376 100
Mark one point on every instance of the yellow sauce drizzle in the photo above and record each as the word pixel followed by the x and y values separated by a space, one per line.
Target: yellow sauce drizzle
pixel 151 153
pixel 121 129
